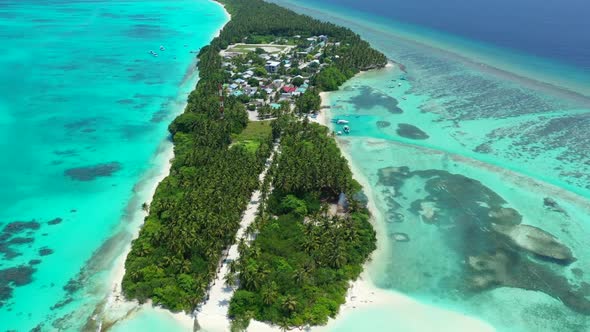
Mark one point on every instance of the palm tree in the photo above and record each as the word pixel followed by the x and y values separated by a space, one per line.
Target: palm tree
pixel 337 258
pixel 167 261
pixel 299 276
pixel 255 252
pixel 251 277
pixel 284 325
pixel 186 266
pixel 230 279
pixel 269 294
pixel 289 304
pixel 233 266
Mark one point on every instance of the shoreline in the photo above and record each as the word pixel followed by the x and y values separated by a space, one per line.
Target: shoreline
pixel 115 302
pixel 364 294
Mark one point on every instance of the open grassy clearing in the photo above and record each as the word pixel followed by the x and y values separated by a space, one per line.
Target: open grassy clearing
pixel 255 133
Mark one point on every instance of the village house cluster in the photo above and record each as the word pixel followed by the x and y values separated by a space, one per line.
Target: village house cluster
pixel 266 76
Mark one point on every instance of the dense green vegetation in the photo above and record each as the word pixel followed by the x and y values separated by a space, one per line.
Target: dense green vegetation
pixel 308 101
pixel 196 210
pixel 296 271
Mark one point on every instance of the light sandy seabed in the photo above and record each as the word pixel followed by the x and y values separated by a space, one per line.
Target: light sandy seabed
pixel 364 295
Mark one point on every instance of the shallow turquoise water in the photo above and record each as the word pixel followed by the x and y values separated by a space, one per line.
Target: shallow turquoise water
pixel 83 113
pixel 446 143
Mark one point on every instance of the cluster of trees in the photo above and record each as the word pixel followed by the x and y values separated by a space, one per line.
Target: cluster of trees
pixel 330 78
pixel 267 111
pixel 297 270
pixel 309 101
pixel 310 162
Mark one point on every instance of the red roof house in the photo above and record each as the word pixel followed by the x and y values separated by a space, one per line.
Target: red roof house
pixel 289 89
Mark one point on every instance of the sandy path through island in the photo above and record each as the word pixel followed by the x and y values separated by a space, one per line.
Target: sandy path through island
pixel 212 316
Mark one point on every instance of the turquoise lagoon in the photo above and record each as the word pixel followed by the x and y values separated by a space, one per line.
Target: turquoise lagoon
pixel 84 110
pixel 468 149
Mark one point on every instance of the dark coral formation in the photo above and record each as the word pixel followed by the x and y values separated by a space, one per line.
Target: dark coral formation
pixel 19 226
pixel 383 124
pixel 537 241
pixel 18 233
pixel 394 176
pixel 81 124
pixel 89 173
pixel 369 98
pixel 55 221
pixel 550 204
pixel 125 101
pixel 9 238
pixel 509 269
pixel 21 240
pixel 505 216
pixel 11 278
pixel 45 251
pixel 578 272
pixel 62 303
pixel 484 148
pixel 411 132
pixel 498 249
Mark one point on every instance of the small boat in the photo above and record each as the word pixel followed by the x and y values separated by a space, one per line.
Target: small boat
pixel 162 48
pixel 346 129
pixel 155 54
pixel 342 122
pixel 338 133
pixel 399 84
pixel 152 52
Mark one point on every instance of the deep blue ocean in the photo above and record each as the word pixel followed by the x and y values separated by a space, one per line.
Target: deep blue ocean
pixel 555 29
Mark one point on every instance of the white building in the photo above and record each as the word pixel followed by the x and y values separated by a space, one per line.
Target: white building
pixel 272 66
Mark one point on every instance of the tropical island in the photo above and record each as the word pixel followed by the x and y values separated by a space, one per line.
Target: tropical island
pixel 247 128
